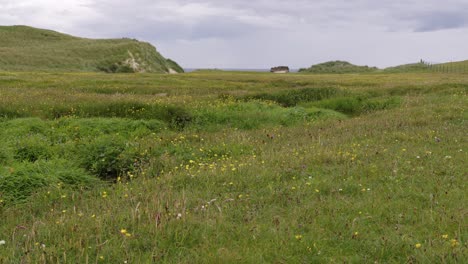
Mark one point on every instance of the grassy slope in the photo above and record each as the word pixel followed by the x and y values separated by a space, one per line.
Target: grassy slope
pixel 346 67
pixel 29 49
pixel 337 67
pixel 251 182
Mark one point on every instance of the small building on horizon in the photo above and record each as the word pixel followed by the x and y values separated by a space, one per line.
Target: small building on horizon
pixel 280 69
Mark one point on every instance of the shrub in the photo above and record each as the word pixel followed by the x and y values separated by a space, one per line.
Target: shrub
pixel 177 117
pixel 109 156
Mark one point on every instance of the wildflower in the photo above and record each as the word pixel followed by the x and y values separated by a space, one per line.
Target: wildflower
pixel 123 231
pixel 445 236
pixel 293 188
pixel 418 245
pixel 298 237
pixel 2 242
pixel 454 242
pixel 104 194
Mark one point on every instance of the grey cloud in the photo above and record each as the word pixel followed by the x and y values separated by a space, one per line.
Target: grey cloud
pixel 440 21
pixel 230 33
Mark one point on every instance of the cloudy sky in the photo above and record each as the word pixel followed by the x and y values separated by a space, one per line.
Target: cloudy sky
pixel 264 33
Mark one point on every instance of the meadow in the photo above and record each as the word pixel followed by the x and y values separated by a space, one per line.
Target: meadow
pixel 233 167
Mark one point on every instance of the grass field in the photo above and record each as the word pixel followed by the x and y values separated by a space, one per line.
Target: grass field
pixel 223 167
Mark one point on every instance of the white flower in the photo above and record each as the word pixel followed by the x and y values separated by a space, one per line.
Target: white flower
pixel 2 242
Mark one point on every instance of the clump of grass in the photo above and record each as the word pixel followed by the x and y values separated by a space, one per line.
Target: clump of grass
pixel 255 114
pixel 290 98
pixel 93 127
pixel 105 156
pixel 26 178
pixel 32 148
pixel 355 105
pixel 5 156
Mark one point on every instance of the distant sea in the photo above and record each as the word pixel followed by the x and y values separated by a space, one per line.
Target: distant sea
pixel 240 70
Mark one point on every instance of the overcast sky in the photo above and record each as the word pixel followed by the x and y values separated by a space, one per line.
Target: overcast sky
pixel 264 33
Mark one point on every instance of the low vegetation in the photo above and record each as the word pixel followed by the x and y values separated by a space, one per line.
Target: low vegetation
pixel 217 166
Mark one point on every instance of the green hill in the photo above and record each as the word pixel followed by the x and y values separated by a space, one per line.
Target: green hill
pixel 422 66
pixel 24 48
pixel 412 67
pixel 338 67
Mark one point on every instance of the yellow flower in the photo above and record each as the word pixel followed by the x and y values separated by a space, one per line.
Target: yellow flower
pixel 418 245
pixel 123 231
pixel 298 237
pixel 104 194
pixel 445 236
pixel 454 242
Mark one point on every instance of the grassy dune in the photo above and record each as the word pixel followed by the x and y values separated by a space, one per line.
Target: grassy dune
pixel 212 167
pixel 25 48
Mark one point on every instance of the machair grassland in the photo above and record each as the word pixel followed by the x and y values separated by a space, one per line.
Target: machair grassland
pixel 222 167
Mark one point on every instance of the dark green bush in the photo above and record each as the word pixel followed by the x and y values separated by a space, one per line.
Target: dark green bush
pixel 109 156
pixel 117 67
pixel 177 117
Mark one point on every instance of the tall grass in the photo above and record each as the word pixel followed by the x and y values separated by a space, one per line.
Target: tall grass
pixel 232 167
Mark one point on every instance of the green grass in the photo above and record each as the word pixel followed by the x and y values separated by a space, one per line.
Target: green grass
pixel 212 167
pixel 338 67
pixel 342 67
pixel 25 48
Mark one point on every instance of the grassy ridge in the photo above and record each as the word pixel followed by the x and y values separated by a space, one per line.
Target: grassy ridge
pixel 338 67
pixel 341 67
pixel 235 167
pixel 29 49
